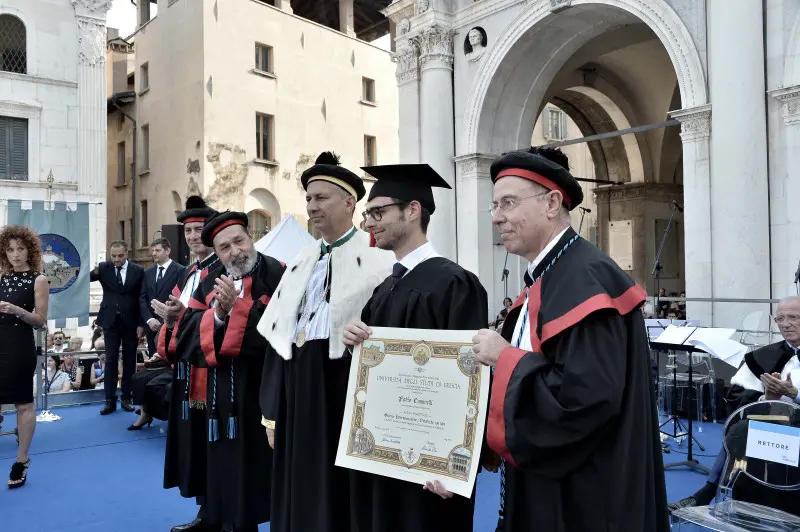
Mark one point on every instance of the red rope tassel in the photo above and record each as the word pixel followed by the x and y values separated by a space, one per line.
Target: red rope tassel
pixel 371 240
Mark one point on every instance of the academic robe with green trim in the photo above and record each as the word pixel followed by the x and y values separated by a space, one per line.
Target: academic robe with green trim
pixel 575 418
pixel 436 294
pixel 239 459
pixel 185 454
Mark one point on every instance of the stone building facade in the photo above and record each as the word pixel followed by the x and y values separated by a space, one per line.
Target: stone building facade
pixel 52 107
pixel 234 100
pixel 474 75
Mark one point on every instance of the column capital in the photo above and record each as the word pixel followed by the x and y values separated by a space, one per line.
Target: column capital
pixel 695 122
pixel 91 42
pixel 436 47
pixel 92 8
pixel 400 12
pixel 407 60
pixel 474 165
pixel 790 98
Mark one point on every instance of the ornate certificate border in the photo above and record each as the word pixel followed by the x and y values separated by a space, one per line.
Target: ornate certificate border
pixel 357 447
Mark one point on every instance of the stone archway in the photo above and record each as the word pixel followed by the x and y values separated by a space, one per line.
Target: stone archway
pixel 513 82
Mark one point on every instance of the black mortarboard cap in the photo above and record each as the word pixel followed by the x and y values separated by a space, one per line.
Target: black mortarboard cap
pixel 220 221
pixel 406 182
pixel 543 166
pixel 327 168
pixel 196 211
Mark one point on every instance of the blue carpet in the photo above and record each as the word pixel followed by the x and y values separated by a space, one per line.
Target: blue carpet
pixel 101 477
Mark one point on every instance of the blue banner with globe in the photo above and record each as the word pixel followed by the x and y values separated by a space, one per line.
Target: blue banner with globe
pixel 64 231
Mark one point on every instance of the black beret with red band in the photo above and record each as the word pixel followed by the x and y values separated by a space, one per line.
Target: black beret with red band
pixel 541 170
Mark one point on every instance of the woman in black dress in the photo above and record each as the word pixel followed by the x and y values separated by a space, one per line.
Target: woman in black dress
pixel 23 306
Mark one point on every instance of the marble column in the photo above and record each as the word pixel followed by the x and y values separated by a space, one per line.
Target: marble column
pixel 786 237
pixel 697 246
pixel 90 16
pixel 347 23
pixel 438 132
pixel 739 201
pixel 476 249
pixel 407 60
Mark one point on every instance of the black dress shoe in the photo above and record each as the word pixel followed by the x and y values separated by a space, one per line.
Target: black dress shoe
pixel 198 525
pixel 110 407
pixel 127 405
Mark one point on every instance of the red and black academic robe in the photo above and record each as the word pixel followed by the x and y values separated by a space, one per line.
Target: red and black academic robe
pixel 576 418
pixel 185 456
pixel 436 294
pixel 239 459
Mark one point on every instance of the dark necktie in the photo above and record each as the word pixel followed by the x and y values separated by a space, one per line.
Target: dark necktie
pixel 119 276
pixel 398 271
pixel 160 274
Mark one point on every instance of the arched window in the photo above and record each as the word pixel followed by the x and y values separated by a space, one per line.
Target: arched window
pixel 13 56
pixel 259 223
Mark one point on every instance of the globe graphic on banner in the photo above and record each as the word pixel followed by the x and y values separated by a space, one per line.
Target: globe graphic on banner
pixel 61 260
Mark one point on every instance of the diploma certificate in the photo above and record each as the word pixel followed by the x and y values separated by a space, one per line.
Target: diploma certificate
pixel 416 408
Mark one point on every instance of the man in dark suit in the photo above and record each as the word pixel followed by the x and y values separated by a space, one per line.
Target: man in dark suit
pixel 157 284
pixel 119 317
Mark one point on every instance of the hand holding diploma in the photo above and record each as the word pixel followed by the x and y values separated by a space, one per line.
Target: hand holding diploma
pixel 487 346
pixel 355 333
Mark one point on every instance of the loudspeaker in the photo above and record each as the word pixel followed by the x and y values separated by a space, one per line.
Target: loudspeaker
pixel 180 250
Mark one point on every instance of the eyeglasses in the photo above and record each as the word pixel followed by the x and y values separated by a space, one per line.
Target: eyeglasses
pixel 376 213
pixel 794 318
pixel 509 204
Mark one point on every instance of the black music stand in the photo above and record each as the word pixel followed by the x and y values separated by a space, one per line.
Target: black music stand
pixel 690 461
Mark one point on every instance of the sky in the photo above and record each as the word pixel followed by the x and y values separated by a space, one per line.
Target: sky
pixel 122 16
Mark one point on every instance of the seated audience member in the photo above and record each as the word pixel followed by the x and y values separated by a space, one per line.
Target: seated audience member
pixel 96 334
pixel 75 344
pixel 58 343
pixel 72 369
pixel 54 379
pixel 765 375
pixel 48 343
pixel 501 316
pixel 682 306
pixel 98 370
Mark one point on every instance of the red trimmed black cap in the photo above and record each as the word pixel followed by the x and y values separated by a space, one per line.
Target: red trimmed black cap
pixel 327 168
pixel 547 167
pixel 196 211
pixel 220 221
pixel 406 182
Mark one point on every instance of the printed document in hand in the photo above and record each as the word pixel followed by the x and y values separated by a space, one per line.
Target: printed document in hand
pixel 713 341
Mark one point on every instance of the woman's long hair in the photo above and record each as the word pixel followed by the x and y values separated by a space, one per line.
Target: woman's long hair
pixel 29 239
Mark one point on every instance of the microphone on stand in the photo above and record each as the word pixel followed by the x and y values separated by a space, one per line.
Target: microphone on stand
pixel 585 209
pixel 676 205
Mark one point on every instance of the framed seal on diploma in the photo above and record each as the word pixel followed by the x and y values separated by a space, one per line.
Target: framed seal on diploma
pixel 416 408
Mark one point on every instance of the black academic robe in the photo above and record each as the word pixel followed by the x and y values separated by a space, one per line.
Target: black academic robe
pixel 746 385
pixel 576 418
pixel 239 459
pixel 437 294
pixel 185 455
pixel 305 396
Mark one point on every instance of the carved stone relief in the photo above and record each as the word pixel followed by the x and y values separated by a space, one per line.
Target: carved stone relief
pixel 422 6
pixel 98 6
pixel 436 46
pixel 91 42
pixel 695 122
pixel 790 98
pixel 403 26
pixel 407 61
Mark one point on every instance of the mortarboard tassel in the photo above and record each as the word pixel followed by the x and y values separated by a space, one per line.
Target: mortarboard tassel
pixel 213 420
pixel 185 403
pixel 371 240
pixel 233 422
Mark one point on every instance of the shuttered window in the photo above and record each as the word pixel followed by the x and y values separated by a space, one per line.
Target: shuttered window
pixel 13 148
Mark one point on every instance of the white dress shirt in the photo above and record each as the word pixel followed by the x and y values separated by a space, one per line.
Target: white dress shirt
pixel 418 256
pixel 522 337
pixel 318 326
pixel 123 272
pixel 166 266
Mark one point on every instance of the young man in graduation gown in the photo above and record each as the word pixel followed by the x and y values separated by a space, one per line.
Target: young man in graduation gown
pixel 185 457
pixel 220 334
pixel 304 386
pixel 572 409
pixel 425 291
pixel 765 375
